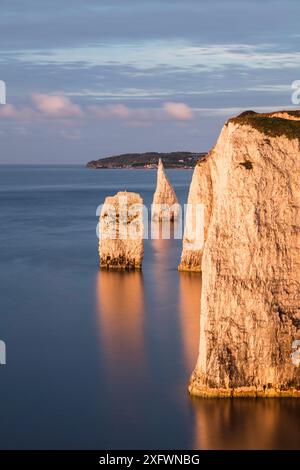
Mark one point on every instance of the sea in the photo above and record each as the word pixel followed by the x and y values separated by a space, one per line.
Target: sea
pixel 102 360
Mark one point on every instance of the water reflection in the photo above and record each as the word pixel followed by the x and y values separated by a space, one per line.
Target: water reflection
pixel 164 252
pixel 149 333
pixel 120 300
pixel 189 309
pixel 239 423
pixel 162 241
pixel 246 423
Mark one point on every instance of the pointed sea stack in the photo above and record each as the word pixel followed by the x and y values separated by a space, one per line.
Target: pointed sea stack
pixel 165 203
pixel 250 263
pixel 121 232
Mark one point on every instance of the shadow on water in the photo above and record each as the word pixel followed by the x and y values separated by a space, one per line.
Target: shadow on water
pixel 246 423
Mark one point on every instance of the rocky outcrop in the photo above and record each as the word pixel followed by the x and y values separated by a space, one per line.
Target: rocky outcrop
pixel 121 232
pixel 165 204
pixel 250 300
pixel 197 218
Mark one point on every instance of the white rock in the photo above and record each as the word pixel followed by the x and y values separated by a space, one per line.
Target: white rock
pixel 250 302
pixel 165 203
pixel 197 218
pixel 121 232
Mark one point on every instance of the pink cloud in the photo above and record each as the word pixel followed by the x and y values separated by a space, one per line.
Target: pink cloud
pixel 170 110
pixel 58 106
pixel 109 111
pixel 124 113
pixel 11 112
pixel 120 111
pixel 55 105
pixel 178 111
pixel 8 111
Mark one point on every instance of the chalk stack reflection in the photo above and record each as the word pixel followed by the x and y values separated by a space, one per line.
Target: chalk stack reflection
pixel 190 300
pixel 120 300
pixel 246 423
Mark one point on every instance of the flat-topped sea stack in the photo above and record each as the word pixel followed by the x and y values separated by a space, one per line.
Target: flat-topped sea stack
pixel 165 204
pixel 250 302
pixel 121 232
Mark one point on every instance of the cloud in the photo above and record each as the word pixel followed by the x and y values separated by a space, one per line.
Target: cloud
pixel 43 106
pixel 9 111
pixel 177 54
pixel 55 105
pixel 169 111
pixel 110 111
pixel 121 20
pixel 178 111
pixel 67 112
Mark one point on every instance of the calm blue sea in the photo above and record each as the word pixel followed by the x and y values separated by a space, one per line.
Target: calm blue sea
pixel 102 360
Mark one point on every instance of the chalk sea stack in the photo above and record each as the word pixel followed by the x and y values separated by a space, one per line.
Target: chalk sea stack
pixel 250 302
pixel 121 232
pixel 165 204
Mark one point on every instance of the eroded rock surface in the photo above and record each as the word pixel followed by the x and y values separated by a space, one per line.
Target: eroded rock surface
pixel 165 204
pixel 250 301
pixel 121 232
pixel 200 194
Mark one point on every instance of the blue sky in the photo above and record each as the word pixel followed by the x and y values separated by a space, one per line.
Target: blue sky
pixel 94 78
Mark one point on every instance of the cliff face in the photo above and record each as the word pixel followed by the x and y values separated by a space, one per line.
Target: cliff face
pixel 250 303
pixel 165 204
pixel 200 193
pixel 121 232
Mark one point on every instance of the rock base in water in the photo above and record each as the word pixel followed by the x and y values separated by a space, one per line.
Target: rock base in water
pixel 264 391
pixel 120 264
pixel 191 262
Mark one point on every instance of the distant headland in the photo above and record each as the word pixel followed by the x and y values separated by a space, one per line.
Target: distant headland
pixel 183 160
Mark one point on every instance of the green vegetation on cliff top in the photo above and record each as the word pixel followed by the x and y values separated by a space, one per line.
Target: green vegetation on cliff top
pixel 148 160
pixel 270 124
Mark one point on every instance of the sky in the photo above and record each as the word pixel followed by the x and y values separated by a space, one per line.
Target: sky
pixel 89 79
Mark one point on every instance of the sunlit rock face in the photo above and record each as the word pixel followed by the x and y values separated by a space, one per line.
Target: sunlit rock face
pixel 165 204
pixel 200 193
pixel 121 232
pixel 250 301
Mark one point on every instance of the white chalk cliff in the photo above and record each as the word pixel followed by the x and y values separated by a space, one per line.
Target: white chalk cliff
pixel 200 193
pixel 250 302
pixel 165 204
pixel 121 232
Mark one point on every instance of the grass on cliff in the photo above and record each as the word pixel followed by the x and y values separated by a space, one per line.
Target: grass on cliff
pixel 271 125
